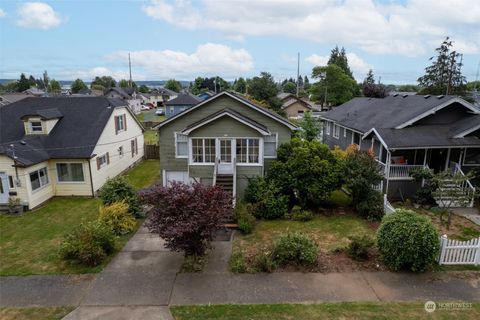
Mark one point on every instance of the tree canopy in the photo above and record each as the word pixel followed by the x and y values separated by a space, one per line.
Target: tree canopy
pixel 240 85
pixel 444 75
pixel 104 82
pixel 334 84
pixel 372 89
pixel 339 57
pixel 310 126
pixel 77 86
pixel 54 86
pixel 289 87
pixel 126 83
pixel 173 85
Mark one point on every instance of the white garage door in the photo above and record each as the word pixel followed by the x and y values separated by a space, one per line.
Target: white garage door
pixel 180 176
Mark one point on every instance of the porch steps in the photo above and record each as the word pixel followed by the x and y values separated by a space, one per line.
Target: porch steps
pixel 460 199
pixel 225 182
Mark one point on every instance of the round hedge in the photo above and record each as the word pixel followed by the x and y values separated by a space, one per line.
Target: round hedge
pixel 408 241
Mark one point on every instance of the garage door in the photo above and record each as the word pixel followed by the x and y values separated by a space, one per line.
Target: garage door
pixel 179 176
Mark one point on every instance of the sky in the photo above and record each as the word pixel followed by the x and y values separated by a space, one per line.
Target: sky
pixel 183 39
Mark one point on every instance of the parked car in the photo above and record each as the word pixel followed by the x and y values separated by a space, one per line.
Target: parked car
pixel 159 112
pixel 144 108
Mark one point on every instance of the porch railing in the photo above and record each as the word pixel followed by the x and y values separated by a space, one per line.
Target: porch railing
pixel 402 171
pixel 215 171
pixel 465 186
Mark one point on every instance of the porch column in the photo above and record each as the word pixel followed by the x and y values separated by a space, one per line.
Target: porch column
pixel 387 170
pixel 448 159
pixel 425 158
pixel 415 157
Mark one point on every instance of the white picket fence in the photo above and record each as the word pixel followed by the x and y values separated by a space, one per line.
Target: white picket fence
pixel 459 252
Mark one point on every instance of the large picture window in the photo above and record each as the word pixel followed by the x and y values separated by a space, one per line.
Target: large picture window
pixel 70 172
pixel 248 150
pixel 39 178
pixel 203 150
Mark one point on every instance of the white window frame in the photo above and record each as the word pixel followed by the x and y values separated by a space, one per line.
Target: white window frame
pixel 120 123
pixel 276 144
pixel 43 184
pixel 344 132
pixel 260 152
pixel 336 131
pixel 176 137
pixel 103 161
pixel 190 150
pixel 70 181
pixel 328 127
pixel 31 126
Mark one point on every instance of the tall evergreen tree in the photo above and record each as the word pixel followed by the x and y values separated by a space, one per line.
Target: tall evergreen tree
pixel 339 57
pixel 371 89
pixel 444 75
pixel 23 83
pixel 240 85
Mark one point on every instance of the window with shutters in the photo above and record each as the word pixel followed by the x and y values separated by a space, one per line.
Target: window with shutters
pixel 103 160
pixel 120 123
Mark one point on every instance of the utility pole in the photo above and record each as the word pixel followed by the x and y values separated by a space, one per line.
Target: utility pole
pixel 298 71
pixel 130 70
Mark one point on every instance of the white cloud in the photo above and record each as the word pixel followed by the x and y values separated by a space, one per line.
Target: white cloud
pixel 37 15
pixel 358 66
pixel 2 13
pixel 208 59
pixel 397 28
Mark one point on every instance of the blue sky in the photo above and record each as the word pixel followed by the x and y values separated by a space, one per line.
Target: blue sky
pixel 182 39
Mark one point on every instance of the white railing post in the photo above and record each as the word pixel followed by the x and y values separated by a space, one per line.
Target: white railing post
pixel 443 244
pixel 215 169
pixel 477 254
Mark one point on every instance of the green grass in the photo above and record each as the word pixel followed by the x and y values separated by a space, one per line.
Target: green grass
pixel 29 243
pixel 150 137
pixel 37 313
pixel 149 115
pixel 145 174
pixel 343 310
pixel 338 197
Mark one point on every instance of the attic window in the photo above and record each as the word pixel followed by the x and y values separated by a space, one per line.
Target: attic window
pixel 36 126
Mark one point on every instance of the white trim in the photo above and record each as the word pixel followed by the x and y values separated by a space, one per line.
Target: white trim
pixel 328 127
pixel 276 146
pixel 225 113
pixel 259 109
pixel 344 132
pixel 437 108
pixel 373 130
pixel 336 134
pixel 338 124
pixel 468 131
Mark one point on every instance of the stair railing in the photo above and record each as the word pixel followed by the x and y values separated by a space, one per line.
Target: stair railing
pixel 466 186
pixel 234 191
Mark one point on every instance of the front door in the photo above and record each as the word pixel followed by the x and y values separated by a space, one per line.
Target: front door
pixel 3 188
pixel 225 165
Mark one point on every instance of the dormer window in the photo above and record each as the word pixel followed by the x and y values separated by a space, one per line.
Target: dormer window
pixel 36 127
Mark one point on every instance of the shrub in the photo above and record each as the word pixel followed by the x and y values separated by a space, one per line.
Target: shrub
pixel 268 201
pixel 187 216
pixel 359 246
pixel 371 206
pixel 264 261
pixel 306 171
pixel 237 263
pixel 245 220
pixel 297 214
pixel 407 240
pixel 89 244
pixel 117 217
pixel 118 189
pixel 295 248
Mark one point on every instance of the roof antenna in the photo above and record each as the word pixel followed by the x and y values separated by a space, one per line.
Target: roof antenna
pixel 130 70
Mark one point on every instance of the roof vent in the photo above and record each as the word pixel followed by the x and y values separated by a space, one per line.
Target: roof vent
pixel 426 96
pixel 405 95
pixel 440 96
pixel 395 95
pixel 23 143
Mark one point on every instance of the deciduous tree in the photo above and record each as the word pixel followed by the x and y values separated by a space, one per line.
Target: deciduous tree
pixel 173 85
pixel 78 85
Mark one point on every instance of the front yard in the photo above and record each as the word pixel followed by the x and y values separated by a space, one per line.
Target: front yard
pixel 341 310
pixel 35 313
pixel 29 244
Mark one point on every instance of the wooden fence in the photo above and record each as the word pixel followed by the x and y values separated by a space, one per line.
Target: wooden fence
pixel 152 151
pixel 459 252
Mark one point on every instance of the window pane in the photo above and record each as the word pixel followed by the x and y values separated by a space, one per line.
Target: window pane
pixel 270 145
pixel 197 150
pixel 210 150
pixel 35 180
pixel 62 170
pixel 241 150
pixel 43 176
pixel 77 171
pixel 226 151
pixel 253 150
pixel 182 148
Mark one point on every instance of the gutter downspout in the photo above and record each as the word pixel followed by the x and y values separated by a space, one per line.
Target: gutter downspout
pixel 91 177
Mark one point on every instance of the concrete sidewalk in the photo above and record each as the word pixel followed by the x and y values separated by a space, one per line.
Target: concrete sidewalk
pixel 290 287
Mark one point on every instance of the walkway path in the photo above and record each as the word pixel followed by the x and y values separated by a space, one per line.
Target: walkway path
pixel 471 214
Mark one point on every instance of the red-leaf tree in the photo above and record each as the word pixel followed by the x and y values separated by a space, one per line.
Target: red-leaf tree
pixel 187 216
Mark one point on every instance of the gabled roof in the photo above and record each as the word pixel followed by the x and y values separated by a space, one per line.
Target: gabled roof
pixel 230 113
pixel 74 136
pixel 239 98
pixel 283 95
pixel 293 100
pixel 125 93
pixel 184 99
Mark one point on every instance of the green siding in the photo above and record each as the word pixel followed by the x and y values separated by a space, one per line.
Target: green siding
pixel 219 128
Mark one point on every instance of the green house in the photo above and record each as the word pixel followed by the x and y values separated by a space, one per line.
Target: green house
pixel 224 140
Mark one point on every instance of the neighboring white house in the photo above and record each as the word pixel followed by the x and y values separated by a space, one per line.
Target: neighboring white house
pixel 127 94
pixel 64 146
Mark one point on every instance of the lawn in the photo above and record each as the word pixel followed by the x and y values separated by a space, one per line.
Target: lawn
pixel 145 174
pixel 150 136
pixel 342 310
pixel 37 313
pixel 29 243
pixel 149 115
